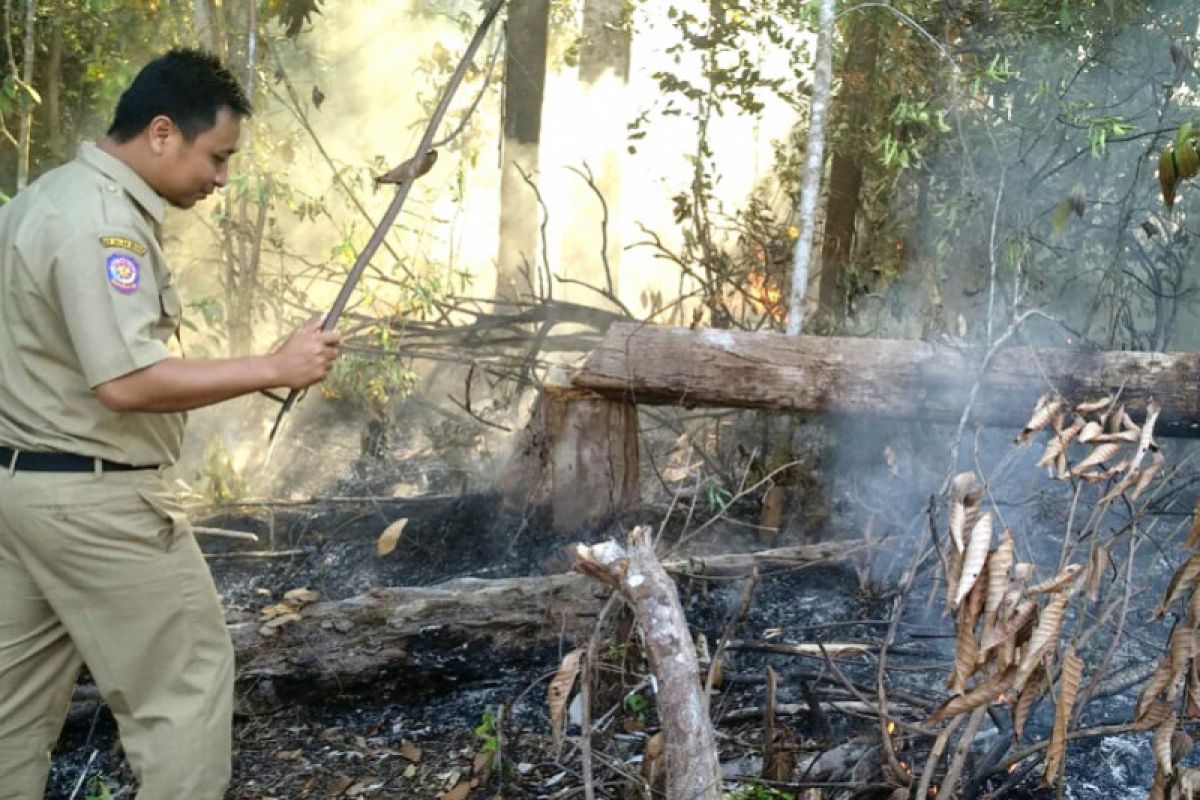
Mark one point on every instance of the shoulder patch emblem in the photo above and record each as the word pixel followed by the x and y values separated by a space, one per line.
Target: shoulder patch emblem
pixel 124 274
pixel 123 243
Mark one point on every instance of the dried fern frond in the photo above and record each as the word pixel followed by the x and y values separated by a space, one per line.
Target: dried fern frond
pixel 1059 581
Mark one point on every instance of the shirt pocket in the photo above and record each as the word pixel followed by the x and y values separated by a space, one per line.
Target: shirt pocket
pixel 171 308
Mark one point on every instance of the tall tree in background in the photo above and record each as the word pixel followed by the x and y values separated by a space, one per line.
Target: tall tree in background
pixel 524 86
pixel 814 165
pixel 592 251
pixel 852 107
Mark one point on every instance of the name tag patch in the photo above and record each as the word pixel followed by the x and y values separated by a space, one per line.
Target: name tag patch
pixel 123 272
pixel 123 243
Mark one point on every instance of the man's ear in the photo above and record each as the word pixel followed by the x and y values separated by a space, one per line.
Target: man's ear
pixel 159 132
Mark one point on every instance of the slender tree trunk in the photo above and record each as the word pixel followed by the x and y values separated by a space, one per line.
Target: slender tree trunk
pixel 26 134
pixel 814 161
pixel 53 118
pixel 524 85
pixel 852 105
pixel 591 252
pixel 204 26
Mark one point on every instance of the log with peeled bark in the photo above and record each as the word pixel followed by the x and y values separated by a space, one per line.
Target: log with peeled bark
pixel 453 631
pixel 651 364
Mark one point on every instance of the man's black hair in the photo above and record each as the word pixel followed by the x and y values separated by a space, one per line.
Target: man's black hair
pixel 189 86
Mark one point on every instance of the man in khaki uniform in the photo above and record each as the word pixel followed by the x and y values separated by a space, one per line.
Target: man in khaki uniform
pixel 97 562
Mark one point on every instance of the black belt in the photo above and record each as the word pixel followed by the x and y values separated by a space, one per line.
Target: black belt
pixel 59 462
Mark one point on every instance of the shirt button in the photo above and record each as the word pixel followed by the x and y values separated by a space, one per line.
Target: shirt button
pixel 112 187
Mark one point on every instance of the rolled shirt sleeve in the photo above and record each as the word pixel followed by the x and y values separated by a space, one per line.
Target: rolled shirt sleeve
pixel 109 294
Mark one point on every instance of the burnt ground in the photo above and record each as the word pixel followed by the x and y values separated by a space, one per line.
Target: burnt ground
pixel 483 728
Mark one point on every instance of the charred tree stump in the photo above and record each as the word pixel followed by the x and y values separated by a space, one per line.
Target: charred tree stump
pixel 693 769
pixel 578 459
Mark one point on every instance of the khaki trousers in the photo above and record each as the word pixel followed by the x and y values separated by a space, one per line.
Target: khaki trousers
pixel 103 569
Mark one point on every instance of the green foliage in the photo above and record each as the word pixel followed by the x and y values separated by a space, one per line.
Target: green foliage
pixel 370 381
pixel 218 481
pixel 97 789
pixel 488 731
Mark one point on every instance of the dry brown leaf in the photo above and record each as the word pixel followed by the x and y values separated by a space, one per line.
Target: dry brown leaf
pixel 1147 475
pixel 1072 672
pixel 1059 581
pixel 272 627
pixel 1090 432
pixel 1162 745
pixel 409 751
pixel 1183 645
pixel 1099 455
pixel 299 598
pixel 1044 411
pixel 999 564
pixel 1034 689
pixel 985 691
pixel 1054 448
pixel 1089 406
pixel 459 792
pixel 1009 627
pixel 1097 566
pixel 975 557
pixel 390 536
pixel 1044 635
pixel 966 645
pixel 953 573
pixel 1193 537
pixel 558 694
pixel 1182 581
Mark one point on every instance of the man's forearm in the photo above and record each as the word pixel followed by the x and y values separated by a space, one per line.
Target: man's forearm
pixel 176 384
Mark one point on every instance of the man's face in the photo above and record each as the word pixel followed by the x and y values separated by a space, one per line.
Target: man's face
pixel 191 171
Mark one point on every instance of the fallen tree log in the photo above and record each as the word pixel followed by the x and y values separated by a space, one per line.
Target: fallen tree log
pixel 888 378
pixel 457 630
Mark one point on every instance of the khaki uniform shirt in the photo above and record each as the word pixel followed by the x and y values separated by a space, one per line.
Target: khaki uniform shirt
pixel 85 297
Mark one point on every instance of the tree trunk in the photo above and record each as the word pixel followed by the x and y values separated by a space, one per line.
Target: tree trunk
pixel 888 378
pixel 814 164
pixel 26 93
pixel 53 113
pixel 851 107
pixel 524 84
pixel 591 252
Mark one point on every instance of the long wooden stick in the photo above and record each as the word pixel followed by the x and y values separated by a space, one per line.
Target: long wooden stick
pixel 402 189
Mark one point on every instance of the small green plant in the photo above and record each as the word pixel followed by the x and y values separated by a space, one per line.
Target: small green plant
pixel 219 480
pixel 97 789
pixel 636 705
pixel 488 731
pixel 718 497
